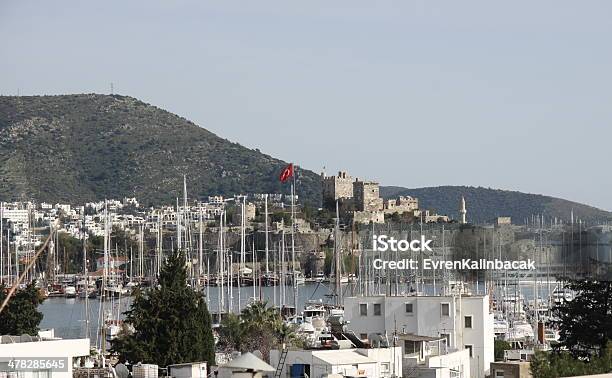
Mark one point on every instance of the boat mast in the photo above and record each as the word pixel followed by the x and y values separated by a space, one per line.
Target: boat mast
pixel 185 206
pixel 104 276
pixel 2 243
pixel 337 258
pixel 8 257
pixel 253 275
pixel 179 244
pixel 86 282
pixel 242 250
pixel 141 253
pixel 200 251
pixel 274 280
pixel 220 258
pixel 283 288
pixel 230 262
pixel 266 231
pixel 159 242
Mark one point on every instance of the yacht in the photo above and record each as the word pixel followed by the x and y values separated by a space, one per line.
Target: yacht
pixel 70 292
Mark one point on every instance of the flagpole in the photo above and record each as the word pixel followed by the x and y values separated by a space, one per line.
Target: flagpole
pixel 295 286
pixel 287 173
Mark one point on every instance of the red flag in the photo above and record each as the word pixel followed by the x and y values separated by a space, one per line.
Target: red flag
pixel 286 173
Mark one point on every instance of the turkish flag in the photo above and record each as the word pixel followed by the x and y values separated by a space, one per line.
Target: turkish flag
pixel 287 173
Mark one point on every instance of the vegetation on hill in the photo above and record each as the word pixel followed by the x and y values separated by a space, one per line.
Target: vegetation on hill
pixel 485 204
pixel 77 148
pixel 80 148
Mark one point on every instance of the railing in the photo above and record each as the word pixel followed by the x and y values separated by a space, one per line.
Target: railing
pixel 80 372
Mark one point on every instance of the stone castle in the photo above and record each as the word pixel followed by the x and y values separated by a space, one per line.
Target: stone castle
pixel 361 201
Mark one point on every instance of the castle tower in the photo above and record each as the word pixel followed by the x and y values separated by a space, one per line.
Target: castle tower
pixel 462 211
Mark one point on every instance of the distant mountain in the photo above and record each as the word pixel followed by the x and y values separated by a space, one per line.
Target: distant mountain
pixel 77 148
pixel 484 204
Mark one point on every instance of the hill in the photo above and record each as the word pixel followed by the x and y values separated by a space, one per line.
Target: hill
pixel 484 204
pixel 77 148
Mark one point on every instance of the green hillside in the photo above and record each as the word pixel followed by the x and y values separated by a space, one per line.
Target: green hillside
pixel 484 204
pixel 77 148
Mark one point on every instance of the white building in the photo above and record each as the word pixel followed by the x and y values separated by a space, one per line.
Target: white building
pixel 371 363
pixel 188 370
pixel 51 351
pixel 425 356
pixel 17 216
pixel 63 207
pixel 464 321
pixel 46 206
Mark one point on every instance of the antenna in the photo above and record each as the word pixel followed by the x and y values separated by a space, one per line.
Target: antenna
pixel 112 88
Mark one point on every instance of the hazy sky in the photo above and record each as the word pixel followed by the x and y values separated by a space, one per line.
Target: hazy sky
pixel 514 95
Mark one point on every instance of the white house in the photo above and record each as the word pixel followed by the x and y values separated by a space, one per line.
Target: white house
pixel 464 321
pixel 58 354
pixel 17 216
pixel 371 363
pixel 425 356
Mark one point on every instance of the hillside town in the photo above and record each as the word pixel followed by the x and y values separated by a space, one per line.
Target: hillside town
pixel 268 248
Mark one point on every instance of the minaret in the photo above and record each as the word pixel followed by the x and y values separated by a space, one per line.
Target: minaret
pixel 462 211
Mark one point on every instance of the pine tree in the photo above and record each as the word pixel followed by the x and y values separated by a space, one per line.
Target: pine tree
pixel 21 315
pixel 585 323
pixel 171 323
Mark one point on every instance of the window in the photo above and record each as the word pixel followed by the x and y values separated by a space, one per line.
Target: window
pixel 363 309
pixel 363 336
pixel 499 374
pixel 377 309
pixel 445 308
pixel 409 308
pixel 470 348
pixel 468 322
pixel 384 367
pixel 447 337
pixel 411 347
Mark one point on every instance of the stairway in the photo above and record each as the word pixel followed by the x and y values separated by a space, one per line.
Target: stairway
pixel 281 363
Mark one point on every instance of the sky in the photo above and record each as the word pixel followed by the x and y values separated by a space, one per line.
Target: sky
pixel 510 95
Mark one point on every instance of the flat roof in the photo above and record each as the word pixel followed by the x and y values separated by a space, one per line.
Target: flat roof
pixel 342 357
pixel 463 295
pixel 13 339
pixel 187 364
pixel 413 337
